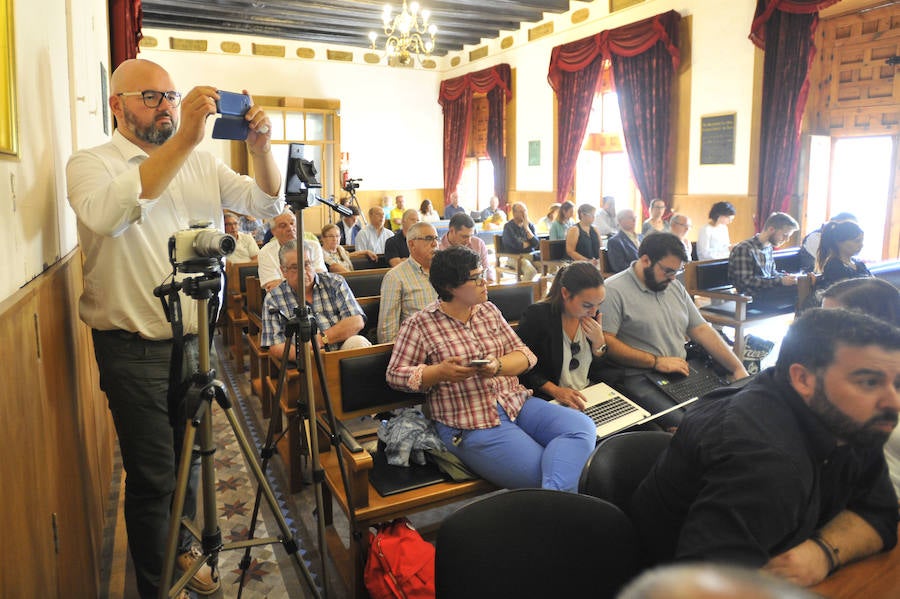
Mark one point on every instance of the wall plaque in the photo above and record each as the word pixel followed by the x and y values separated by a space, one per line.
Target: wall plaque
pixel 717 138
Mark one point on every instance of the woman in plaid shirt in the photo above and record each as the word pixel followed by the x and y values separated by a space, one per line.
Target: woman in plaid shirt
pixel 481 412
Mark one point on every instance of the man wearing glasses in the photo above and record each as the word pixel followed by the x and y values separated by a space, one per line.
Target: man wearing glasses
pixel 405 288
pixel 130 195
pixel 339 317
pixel 647 315
pixel 680 225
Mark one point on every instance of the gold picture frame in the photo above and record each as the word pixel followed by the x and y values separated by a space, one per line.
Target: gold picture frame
pixel 9 138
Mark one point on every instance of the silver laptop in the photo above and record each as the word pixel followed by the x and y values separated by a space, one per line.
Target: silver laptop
pixel 610 410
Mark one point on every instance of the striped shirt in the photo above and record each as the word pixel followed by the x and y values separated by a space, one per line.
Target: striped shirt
pixel 405 290
pixel 332 302
pixel 431 336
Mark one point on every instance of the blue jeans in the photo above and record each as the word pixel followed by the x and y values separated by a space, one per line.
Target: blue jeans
pixel 546 446
pixel 134 374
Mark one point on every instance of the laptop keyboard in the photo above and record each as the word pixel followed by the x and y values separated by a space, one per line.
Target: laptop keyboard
pixel 696 385
pixel 609 410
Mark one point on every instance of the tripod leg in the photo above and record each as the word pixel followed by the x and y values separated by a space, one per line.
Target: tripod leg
pixel 181 484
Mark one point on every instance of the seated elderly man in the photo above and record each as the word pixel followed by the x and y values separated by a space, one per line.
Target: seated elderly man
pixel 284 229
pixel 787 473
pixel 396 248
pixel 338 315
pixel 622 248
pixel 405 288
pixel 461 232
pixel 375 234
pixel 245 248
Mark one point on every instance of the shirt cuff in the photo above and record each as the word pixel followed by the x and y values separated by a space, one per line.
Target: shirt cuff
pixel 415 379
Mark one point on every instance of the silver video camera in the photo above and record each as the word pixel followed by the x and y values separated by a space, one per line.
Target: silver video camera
pixel 199 247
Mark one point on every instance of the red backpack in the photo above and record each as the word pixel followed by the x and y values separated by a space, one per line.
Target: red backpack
pixel 400 563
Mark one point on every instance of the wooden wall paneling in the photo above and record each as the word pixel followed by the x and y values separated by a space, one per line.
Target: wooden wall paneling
pixel 26 501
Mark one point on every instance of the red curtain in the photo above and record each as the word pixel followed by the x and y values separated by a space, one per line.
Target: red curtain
pixel 575 70
pixel 125 18
pixel 785 29
pixel 456 100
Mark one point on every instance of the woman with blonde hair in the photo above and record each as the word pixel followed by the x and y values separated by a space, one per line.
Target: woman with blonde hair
pixel 337 259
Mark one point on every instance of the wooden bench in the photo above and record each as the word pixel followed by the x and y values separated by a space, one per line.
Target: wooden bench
pixel 363 263
pixel 365 283
pixel 356 382
pixel 553 255
pixel 234 318
pixel 513 298
pixel 259 355
pixel 725 306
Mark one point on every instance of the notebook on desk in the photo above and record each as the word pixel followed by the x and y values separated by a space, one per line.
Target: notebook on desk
pixel 610 410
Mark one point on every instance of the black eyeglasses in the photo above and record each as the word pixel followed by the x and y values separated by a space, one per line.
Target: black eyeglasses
pixel 477 279
pixel 671 272
pixel 427 239
pixel 153 98
pixel 575 349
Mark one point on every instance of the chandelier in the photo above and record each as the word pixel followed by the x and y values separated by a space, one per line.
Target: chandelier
pixel 409 35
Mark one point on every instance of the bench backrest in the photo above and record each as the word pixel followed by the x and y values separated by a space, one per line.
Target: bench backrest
pixel 553 249
pixel 513 298
pixel 371 306
pixel 888 270
pixel 365 283
pixel 356 381
pixel 363 262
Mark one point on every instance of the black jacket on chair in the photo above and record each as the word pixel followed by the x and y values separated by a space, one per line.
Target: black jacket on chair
pixel 541 329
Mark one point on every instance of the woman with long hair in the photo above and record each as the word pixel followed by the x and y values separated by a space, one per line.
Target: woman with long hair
pixel 564 331
pixel 427 213
pixel 544 224
pixel 839 243
pixel 713 241
pixel 563 220
pixel 464 356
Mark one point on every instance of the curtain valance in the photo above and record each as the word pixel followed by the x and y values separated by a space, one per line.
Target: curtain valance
pixel 765 8
pixel 479 82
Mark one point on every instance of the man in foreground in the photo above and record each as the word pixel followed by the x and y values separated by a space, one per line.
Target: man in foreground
pixel 788 473
pixel 130 195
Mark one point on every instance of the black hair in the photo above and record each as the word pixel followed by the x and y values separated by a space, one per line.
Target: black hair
pixel 721 209
pixel 461 220
pixel 575 277
pixel 451 268
pixel 869 295
pixel 833 233
pixel 662 244
pixel 812 338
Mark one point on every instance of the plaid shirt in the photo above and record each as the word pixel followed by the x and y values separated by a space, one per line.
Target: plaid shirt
pixel 430 336
pixel 751 266
pixel 332 302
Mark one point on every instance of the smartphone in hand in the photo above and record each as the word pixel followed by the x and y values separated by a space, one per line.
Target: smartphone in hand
pixel 479 363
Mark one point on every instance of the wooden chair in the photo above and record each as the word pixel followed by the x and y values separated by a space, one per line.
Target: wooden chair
pixel 513 298
pixel 505 261
pixel 356 381
pixel 259 356
pixel 365 283
pixel 553 255
pixel 234 318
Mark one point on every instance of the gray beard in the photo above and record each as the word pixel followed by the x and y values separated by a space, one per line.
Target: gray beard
pixel 150 134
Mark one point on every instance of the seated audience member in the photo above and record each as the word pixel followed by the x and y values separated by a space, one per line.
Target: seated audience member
pixel 427 213
pixel 680 225
pixel 245 248
pixel 336 258
pixel 713 242
pixel 405 288
pixel 751 265
pixel 882 300
pixel 396 248
pixel 375 234
pixel 647 315
pixel 605 221
pixel 839 243
pixel 655 223
pixel 493 208
pixel 452 206
pixel 520 237
pixel 565 334
pixel 348 227
pixel 284 229
pixel 582 240
pixel 563 221
pixel 710 581
pixel 339 317
pixel 809 247
pixel 543 225
pixel 482 413
pixel 255 227
pixel 622 248
pixel 494 223
pixel 787 473
pixel 461 232
pixel 396 214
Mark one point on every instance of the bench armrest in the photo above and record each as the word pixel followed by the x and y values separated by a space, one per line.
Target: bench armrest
pixel 728 296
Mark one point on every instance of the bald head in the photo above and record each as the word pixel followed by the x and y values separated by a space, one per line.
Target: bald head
pixel 145 126
pixel 136 74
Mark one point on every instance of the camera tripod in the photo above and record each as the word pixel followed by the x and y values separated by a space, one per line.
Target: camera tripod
pixel 197 404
